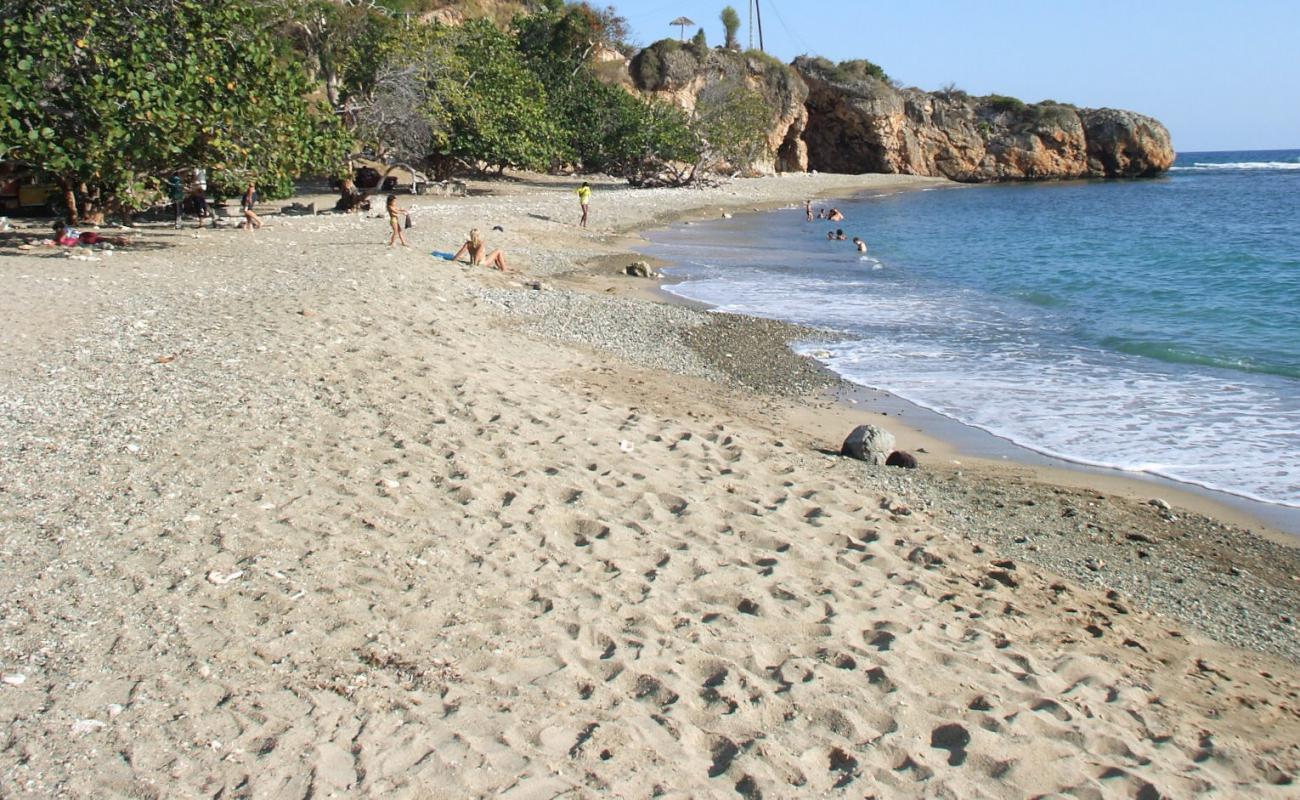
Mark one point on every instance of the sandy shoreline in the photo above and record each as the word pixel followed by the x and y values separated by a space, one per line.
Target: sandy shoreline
pixel 288 514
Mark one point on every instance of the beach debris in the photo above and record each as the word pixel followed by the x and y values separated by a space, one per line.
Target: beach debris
pixel 221 579
pixel 901 458
pixel 626 446
pixel 920 555
pixel 640 269
pixel 167 359
pixel 14 679
pixel 1003 577
pixel 1160 504
pixel 388 483
pixel 114 709
pixel 726 215
pixel 868 443
pixel 299 210
pixel 84 726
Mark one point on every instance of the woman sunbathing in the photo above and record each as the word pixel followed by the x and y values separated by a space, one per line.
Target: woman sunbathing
pixel 475 248
pixel 71 237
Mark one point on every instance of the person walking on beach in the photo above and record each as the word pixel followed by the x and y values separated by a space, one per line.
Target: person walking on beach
pixel 584 198
pixel 475 248
pixel 201 208
pixel 251 220
pixel 394 212
pixel 176 191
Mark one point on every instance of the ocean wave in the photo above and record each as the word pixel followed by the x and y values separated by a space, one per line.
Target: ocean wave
pixel 1172 354
pixel 1199 166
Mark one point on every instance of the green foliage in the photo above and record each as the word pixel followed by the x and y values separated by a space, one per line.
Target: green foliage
pixel 489 109
pixel 732 120
pixel 730 23
pixel 853 71
pixel 1001 102
pixel 663 63
pixel 859 69
pixel 699 40
pixel 109 100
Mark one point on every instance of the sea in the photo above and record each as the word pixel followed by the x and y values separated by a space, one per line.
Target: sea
pixel 1149 326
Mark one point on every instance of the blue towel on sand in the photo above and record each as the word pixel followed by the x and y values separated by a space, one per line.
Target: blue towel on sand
pixel 442 255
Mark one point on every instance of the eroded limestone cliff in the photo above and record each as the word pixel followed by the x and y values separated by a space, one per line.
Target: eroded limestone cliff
pixel 684 73
pixel 863 124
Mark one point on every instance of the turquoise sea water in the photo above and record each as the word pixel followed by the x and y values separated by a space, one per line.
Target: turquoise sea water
pixel 1148 326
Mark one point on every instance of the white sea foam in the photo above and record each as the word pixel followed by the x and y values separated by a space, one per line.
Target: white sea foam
pixel 1237 165
pixel 980 363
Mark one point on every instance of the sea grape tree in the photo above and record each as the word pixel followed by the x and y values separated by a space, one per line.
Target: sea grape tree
pixel 108 99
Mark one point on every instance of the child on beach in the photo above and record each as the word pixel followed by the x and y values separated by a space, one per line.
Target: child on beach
pixel 251 220
pixel 393 213
pixel 584 198
pixel 475 248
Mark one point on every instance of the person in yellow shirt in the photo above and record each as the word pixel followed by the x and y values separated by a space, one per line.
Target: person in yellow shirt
pixel 584 197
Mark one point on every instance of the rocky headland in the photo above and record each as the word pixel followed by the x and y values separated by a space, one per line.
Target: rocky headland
pixel 849 118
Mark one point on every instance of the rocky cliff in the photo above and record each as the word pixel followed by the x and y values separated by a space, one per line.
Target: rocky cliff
pixel 860 123
pixel 684 73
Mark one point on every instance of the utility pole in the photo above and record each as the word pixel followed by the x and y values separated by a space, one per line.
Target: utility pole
pixel 749 7
pixel 758 10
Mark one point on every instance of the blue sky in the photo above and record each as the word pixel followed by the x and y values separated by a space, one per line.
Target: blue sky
pixel 1221 76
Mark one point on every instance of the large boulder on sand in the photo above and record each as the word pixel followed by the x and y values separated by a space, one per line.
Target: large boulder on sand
pixel 868 443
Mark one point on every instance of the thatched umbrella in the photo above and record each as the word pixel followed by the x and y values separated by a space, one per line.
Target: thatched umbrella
pixel 683 22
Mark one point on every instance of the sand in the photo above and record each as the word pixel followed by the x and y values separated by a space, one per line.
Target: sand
pixel 291 514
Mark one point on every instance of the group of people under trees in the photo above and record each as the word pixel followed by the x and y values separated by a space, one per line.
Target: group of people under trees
pixel 198 195
pixel 833 215
pixel 351 200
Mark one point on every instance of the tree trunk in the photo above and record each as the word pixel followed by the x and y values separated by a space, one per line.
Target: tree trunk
pixel 70 200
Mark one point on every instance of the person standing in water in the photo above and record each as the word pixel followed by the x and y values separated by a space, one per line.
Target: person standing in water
pixel 584 198
pixel 807 209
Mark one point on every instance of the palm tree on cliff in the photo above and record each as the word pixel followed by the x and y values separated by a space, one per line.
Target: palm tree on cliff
pixel 682 22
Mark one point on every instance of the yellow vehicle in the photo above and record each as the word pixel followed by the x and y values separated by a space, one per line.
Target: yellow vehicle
pixel 20 191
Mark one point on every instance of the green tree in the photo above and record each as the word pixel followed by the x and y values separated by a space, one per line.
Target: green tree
pixel 109 100
pixel 731 22
pixel 732 121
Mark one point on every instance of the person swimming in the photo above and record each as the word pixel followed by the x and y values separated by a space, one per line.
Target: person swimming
pixel 835 215
pixel 861 245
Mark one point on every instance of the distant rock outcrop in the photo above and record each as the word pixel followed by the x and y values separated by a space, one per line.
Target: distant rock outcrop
pixel 683 73
pixel 859 123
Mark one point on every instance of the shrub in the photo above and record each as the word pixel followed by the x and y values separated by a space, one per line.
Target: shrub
pixel 1001 102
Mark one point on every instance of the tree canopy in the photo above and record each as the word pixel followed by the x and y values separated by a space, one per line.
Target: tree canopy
pixel 108 100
